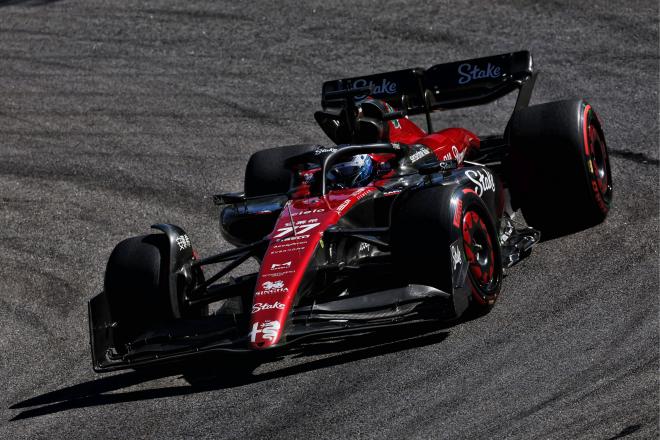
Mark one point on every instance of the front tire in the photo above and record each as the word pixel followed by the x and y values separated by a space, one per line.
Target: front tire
pixel 427 225
pixel 137 286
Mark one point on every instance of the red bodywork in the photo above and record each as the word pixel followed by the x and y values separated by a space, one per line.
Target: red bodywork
pixel 300 227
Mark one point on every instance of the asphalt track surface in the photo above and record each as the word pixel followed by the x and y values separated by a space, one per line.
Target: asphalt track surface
pixel 116 115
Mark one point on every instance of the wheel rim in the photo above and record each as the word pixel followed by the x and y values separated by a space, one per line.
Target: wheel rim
pixel 479 251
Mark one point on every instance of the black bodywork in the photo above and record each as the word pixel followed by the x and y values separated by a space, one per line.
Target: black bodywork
pixel 355 267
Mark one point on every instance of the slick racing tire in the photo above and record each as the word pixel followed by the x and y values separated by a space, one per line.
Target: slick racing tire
pixel 266 173
pixel 428 224
pixel 559 167
pixel 136 285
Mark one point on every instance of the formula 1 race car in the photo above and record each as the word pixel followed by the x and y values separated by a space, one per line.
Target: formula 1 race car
pixel 390 224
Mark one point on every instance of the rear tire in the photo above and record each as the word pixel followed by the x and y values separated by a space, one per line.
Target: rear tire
pixel 559 167
pixel 266 173
pixel 426 223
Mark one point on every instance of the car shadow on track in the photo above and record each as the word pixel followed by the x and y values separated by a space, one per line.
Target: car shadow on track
pixel 26 2
pixel 208 374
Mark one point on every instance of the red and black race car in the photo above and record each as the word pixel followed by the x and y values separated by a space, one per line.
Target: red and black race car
pixel 391 224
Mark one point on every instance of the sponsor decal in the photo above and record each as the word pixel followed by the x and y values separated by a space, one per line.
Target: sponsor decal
pixel 447 156
pixel 395 122
pixel 284 244
pixel 364 248
pixel 359 194
pixel 294 238
pixel 459 266
pixel 268 330
pixel 258 307
pixel 384 88
pixel 303 222
pixel 458 155
pixel 392 193
pixel 482 179
pixel 343 205
pixel 458 213
pixel 448 165
pixel 455 257
pixel 269 287
pixel 422 152
pixel 308 178
pixel 278 274
pixel 310 211
pixel 324 150
pixel 469 72
pixel 183 241
pixel 276 266
pixel 285 251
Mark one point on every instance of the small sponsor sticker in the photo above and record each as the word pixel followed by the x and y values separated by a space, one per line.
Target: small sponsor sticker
pixel 277 266
pixel 420 153
pixel 458 213
pixel 271 287
pixel 183 241
pixel 458 263
pixel 278 274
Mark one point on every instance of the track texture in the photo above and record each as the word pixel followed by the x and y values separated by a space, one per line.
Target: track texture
pixel 115 115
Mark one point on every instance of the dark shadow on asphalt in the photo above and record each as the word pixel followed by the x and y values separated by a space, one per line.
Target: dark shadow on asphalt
pixel 208 374
pixel 26 2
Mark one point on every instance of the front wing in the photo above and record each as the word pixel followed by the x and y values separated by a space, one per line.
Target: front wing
pixel 230 334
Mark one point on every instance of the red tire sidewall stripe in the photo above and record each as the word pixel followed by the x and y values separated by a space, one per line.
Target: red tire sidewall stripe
pixel 473 289
pixel 589 155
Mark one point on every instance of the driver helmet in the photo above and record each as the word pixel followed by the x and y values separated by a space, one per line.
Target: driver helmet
pixel 353 173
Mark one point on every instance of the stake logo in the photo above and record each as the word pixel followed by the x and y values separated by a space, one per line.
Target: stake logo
pixel 324 150
pixel 482 179
pixel 469 72
pixel 384 88
pixel 258 307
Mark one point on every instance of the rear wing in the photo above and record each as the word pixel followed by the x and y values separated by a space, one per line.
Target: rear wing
pixel 444 86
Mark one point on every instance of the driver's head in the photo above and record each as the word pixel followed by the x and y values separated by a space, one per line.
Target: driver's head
pixel 353 173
